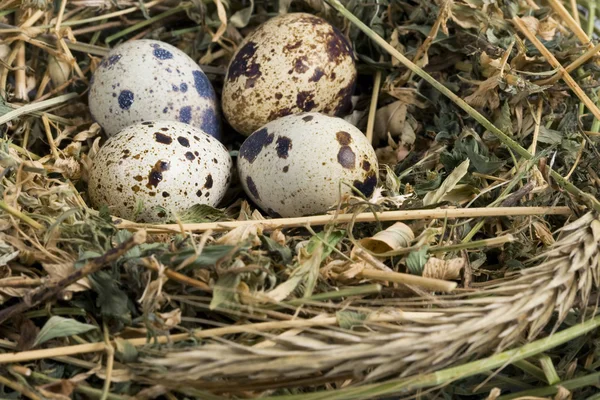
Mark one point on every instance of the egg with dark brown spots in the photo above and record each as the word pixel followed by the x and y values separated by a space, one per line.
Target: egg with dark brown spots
pixel 290 64
pixel 147 80
pixel 297 165
pixel 152 171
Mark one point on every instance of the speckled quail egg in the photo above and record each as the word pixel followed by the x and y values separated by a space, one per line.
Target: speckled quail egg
pixel 148 80
pixel 164 164
pixel 290 64
pixel 293 166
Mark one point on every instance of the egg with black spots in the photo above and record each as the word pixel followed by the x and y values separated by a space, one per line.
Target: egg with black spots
pixel 152 170
pixel 148 80
pixel 297 165
pixel 290 64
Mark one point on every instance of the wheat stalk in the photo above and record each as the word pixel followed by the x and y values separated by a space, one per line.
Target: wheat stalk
pixel 468 325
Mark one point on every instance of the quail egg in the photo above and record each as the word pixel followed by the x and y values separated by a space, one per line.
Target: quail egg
pixel 151 167
pixel 148 80
pixel 290 64
pixel 297 165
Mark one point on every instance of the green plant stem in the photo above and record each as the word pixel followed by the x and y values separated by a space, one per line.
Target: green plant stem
pixel 18 214
pixel 588 380
pixel 549 371
pixel 55 311
pixel 504 138
pixel 448 375
pixel 531 369
pixel 147 22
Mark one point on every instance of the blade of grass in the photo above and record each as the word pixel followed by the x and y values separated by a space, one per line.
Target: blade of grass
pixel 577 383
pixel 42 105
pixel 531 369
pixel 147 22
pixel 549 371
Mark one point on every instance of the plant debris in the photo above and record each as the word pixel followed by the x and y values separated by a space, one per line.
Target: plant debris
pixel 485 118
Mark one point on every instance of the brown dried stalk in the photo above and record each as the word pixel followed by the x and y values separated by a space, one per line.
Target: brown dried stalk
pixel 555 64
pixel 472 325
pixel 50 291
pixel 345 218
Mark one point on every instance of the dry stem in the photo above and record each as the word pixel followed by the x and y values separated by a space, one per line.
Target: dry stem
pixel 573 25
pixel 436 285
pixel 555 64
pixel 345 218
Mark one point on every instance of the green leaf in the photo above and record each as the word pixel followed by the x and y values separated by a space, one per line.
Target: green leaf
pixel 126 352
pixel 415 262
pixel 503 122
pixel 113 302
pixel 350 319
pixel 225 292
pixel 57 327
pixel 209 256
pixel 284 252
pixel 549 136
pixel 449 183
pixel 328 240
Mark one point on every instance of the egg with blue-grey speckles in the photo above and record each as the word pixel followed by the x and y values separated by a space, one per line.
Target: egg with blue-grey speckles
pixel 297 165
pixel 161 164
pixel 147 80
pixel 290 64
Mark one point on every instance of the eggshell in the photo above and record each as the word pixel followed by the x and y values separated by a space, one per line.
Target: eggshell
pixel 163 163
pixel 293 166
pixel 148 80
pixel 290 64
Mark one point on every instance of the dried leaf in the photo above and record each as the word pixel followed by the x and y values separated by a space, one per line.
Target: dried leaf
pixel 60 390
pixel 449 183
pixel 225 292
pixel 443 269
pixel 241 18
pixel 395 237
pixel 57 327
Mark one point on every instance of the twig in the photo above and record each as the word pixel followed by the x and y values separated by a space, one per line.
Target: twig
pixel 373 106
pixel 573 25
pixel 176 276
pixel 582 59
pixel 345 218
pixel 42 105
pixel 49 137
pixel 505 139
pixel 555 64
pixel 17 387
pixel 437 285
pixel 575 12
pixel 110 362
pixel 50 291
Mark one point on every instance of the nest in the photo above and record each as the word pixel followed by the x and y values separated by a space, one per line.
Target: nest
pixel 472 270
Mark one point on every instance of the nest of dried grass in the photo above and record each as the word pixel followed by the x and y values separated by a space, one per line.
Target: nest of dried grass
pixel 485 122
